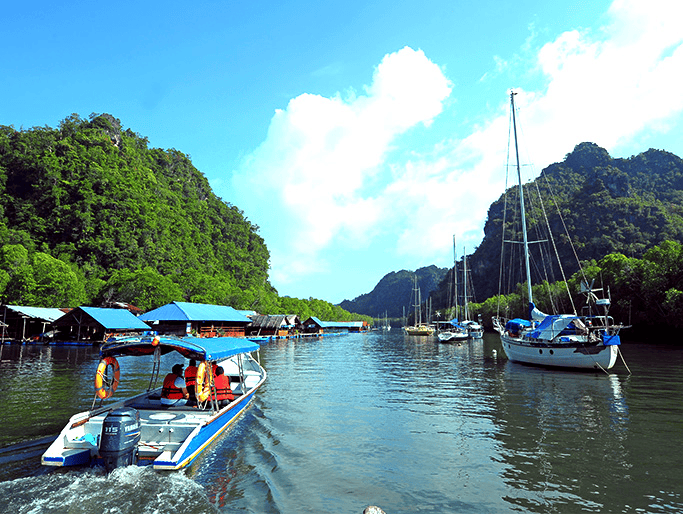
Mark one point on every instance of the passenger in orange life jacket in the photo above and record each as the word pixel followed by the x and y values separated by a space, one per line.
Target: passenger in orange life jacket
pixel 191 380
pixel 223 392
pixel 173 391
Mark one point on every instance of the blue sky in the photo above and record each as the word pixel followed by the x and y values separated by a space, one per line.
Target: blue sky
pixel 359 136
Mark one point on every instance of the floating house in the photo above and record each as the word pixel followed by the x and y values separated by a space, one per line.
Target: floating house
pixel 314 326
pixel 199 319
pixel 272 325
pixel 29 323
pixel 97 324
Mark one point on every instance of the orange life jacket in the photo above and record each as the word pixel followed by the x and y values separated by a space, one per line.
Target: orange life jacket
pixel 223 391
pixel 169 389
pixel 190 376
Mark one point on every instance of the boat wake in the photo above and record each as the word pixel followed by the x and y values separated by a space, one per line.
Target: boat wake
pixel 92 490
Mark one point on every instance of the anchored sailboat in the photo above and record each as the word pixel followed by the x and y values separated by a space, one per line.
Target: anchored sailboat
pixel 419 328
pixel 456 333
pixel 589 341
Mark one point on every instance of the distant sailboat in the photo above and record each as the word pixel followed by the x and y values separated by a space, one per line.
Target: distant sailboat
pixel 474 329
pixel 419 328
pixel 455 333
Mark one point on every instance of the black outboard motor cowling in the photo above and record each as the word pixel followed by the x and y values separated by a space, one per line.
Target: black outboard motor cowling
pixel 120 438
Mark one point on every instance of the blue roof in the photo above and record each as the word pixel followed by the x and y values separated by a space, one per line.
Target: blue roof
pixel 185 311
pixel 115 319
pixel 200 348
pixel 45 313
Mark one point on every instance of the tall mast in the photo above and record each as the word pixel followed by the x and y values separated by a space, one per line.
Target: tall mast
pixel 466 314
pixel 521 203
pixel 455 275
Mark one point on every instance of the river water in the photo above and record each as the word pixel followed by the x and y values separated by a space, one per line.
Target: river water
pixel 404 423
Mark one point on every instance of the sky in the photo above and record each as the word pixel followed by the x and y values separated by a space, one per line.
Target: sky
pixel 360 137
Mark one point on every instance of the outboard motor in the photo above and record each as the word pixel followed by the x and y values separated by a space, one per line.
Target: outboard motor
pixel 120 438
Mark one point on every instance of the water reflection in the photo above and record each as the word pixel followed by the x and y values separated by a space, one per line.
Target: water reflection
pixel 561 433
pixel 406 423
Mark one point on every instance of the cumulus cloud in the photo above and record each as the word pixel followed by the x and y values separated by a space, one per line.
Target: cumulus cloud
pixel 320 153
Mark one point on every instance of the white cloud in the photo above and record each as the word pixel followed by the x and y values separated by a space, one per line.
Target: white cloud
pixel 320 153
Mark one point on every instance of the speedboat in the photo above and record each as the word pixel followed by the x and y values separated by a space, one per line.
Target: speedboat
pixel 140 429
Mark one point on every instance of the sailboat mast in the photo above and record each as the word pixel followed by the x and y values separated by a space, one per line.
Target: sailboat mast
pixel 464 275
pixel 521 201
pixel 455 281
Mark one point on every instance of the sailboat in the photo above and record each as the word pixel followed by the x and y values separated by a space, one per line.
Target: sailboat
pixel 589 341
pixel 419 328
pixel 456 333
pixel 474 330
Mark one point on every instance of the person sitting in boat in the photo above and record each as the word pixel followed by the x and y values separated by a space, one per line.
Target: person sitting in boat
pixel 173 391
pixel 223 392
pixel 191 381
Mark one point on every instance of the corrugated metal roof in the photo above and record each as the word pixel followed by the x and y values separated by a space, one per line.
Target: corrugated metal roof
pixel 185 311
pixel 266 321
pixel 115 319
pixel 45 313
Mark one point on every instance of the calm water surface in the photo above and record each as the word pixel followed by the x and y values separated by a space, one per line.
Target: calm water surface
pixel 405 423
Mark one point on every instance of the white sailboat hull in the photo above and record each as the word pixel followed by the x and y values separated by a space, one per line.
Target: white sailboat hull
pixel 452 337
pixel 571 355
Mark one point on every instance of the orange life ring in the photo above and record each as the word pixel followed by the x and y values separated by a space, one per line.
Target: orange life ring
pixel 155 341
pixel 104 388
pixel 204 379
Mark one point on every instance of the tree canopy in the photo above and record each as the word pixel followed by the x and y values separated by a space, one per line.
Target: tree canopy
pixel 89 213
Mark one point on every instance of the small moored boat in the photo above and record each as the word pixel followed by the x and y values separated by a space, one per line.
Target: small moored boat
pixel 455 333
pixel 141 430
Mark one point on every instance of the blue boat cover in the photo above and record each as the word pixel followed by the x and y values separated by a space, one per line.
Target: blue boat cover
pixel 455 323
pixel 614 340
pixel 199 348
pixel 186 311
pixel 517 324
pixel 552 326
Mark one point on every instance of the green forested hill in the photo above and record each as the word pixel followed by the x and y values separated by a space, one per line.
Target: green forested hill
pixel 608 205
pixel 625 206
pixel 90 213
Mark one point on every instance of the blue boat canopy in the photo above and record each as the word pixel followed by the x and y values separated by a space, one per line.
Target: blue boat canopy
pixel 552 326
pixel 517 324
pixel 456 324
pixel 199 348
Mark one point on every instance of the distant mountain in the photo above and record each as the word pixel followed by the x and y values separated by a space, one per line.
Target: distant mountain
pixel 393 293
pixel 608 205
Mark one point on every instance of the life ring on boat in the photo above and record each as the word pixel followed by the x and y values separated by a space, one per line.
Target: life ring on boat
pixel 203 387
pixel 105 388
pixel 155 341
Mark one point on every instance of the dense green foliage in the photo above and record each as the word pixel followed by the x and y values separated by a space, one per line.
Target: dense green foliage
pixel 603 205
pixel 90 214
pixel 607 205
pixel 646 293
pixel 394 295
